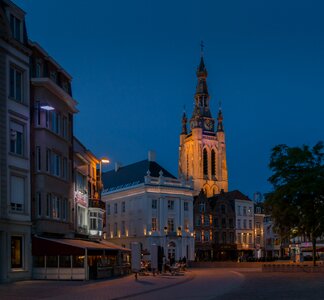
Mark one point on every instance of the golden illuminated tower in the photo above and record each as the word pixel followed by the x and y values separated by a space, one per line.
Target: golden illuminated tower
pixel 202 151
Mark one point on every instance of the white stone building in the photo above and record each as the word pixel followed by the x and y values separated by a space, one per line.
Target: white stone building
pixel 146 204
pixel 244 209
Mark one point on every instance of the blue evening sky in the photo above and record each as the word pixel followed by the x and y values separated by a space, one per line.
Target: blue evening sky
pixel 133 65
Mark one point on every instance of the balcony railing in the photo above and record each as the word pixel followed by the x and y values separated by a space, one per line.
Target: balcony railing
pixel 96 203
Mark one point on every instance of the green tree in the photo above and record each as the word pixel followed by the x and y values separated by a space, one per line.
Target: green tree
pixel 297 200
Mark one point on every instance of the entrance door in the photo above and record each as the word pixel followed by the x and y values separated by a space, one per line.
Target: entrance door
pixel 171 252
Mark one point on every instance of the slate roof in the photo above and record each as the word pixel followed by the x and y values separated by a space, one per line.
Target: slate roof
pixel 133 174
pixel 233 195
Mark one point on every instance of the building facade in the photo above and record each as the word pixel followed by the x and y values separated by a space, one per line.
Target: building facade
pixel 15 201
pixel 202 150
pixel 52 145
pixel 217 236
pixel 259 230
pixel 89 210
pixel 147 204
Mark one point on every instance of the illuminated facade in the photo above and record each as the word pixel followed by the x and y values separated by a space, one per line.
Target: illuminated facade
pixel 146 204
pixel 202 151
pixel 89 210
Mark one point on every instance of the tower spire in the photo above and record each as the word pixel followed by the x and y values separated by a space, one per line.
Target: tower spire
pixel 184 121
pixel 220 126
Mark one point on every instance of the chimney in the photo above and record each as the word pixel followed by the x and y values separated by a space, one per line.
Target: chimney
pixel 151 155
pixel 117 166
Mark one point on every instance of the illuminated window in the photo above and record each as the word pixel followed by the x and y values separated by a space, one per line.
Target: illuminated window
pixel 154 224
pixel 16 252
pixel 239 240
pixel 205 162
pixel 250 238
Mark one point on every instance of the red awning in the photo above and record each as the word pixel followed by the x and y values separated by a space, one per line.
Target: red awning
pixel 50 246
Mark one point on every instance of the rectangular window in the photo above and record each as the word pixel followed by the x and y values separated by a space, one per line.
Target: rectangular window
pixel 198 236
pixel 170 225
pixel 108 209
pixel 48 160
pixel 250 238
pixel 171 204
pixel 56 164
pixel 244 238
pixel 15 26
pixel 38 113
pixel 239 223
pixel 224 241
pixel 16 252
pixel 206 236
pixel 64 169
pixel 38 70
pixel 64 127
pixel 64 208
pixel 239 210
pixel 185 206
pixel 154 204
pixel 123 207
pixel 244 224
pixel 250 224
pixel 123 228
pixel 115 208
pixel 244 210
pixel 231 236
pixel 206 220
pixel 223 223
pixel 257 225
pixel 239 240
pixel 17 193
pixel 17 138
pixel 231 223
pixel 154 224
pixel 38 158
pixel 39 204
pixel 216 222
pixel 47 118
pixel 48 205
pixel 202 207
pixel 16 84
pixel 115 229
pixel 55 207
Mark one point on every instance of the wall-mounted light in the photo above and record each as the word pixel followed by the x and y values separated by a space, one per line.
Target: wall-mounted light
pixel 47 107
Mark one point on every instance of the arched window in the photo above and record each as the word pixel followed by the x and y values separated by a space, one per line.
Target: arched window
pixel 213 163
pixel 205 162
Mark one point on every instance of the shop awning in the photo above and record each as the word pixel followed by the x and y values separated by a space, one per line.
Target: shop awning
pixel 52 246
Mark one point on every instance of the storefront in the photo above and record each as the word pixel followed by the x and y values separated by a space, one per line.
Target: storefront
pixel 76 259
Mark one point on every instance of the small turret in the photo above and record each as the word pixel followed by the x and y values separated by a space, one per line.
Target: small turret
pixel 184 123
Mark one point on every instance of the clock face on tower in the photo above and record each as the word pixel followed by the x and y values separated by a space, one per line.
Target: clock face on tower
pixel 208 124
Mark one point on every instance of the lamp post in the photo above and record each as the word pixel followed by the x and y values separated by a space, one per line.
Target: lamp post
pixel 103 160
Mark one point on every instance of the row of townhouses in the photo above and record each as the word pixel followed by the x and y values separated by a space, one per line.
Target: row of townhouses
pixel 51 213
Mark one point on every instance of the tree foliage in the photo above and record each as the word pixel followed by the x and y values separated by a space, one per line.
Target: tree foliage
pixel 297 200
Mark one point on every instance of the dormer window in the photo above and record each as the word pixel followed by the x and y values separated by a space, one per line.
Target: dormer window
pixel 16 28
pixel 38 70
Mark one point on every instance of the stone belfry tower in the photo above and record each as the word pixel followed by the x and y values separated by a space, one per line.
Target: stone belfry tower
pixel 202 151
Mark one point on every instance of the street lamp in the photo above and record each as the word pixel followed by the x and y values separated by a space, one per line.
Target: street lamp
pixel 103 160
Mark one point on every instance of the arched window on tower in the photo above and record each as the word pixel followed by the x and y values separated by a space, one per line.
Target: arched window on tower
pixel 205 162
pixel 213 163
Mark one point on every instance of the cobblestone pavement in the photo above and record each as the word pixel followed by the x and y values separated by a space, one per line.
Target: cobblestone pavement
pixel 199 284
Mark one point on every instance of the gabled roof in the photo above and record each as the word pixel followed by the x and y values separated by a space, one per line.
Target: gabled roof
pixel 133 174
pixel 233 195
